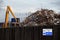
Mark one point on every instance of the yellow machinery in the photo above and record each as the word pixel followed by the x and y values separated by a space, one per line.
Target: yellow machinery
pixel 7 14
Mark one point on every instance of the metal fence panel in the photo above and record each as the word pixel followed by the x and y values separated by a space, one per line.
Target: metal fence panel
pixel 28 33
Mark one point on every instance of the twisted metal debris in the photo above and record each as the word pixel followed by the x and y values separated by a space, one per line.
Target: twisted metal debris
pixel 42 17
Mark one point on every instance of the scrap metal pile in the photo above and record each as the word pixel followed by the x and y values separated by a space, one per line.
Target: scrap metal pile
pixel 42 17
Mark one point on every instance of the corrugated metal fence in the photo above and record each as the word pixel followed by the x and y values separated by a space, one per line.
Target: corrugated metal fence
pixel 28 33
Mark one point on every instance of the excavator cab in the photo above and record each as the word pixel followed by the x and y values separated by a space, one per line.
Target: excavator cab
pixel 15 23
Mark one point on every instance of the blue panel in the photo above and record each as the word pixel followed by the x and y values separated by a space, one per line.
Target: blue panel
pixel 13 20
pixel 47 33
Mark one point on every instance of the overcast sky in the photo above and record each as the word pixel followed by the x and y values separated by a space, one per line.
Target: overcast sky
pixel 32 5
pixel 23 6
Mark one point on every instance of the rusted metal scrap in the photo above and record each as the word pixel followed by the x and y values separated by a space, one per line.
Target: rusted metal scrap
pixel 41 18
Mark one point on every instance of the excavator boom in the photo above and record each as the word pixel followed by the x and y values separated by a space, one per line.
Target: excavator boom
pixel 7 14
pixel 9 8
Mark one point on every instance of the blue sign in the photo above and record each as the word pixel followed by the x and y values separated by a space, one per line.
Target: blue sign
pixel 47 32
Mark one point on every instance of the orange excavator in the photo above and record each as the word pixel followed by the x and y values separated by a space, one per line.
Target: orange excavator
pixel 8 10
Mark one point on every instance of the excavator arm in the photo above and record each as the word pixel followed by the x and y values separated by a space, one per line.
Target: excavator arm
pixel 7 14
pixel 9 8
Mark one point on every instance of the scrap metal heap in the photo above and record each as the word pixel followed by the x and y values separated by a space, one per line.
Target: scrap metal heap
pixel 42 17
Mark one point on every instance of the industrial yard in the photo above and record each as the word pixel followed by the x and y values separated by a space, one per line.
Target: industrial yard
pixel 43 17
pixel 29 20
